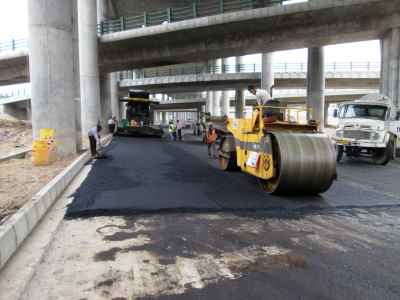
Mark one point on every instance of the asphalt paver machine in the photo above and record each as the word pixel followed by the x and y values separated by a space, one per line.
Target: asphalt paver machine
pixel 138 121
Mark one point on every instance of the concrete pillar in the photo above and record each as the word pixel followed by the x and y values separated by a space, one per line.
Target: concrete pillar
pixel 105 95
pixel 390 65
pixel 114 94
pixel 51 71
pixel 316 85
pixel 326 114
pixel 102 10
pixel 224 100
pixel 164 118
pixel 267 73
pixel 239 95
pixel 239 103
pixel 88 65
pixel 210 103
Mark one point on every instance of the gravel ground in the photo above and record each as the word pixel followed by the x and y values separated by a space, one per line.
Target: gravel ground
pixel 14 135
pixel 20 180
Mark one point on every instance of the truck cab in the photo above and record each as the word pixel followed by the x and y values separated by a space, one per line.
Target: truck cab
pixel 368 127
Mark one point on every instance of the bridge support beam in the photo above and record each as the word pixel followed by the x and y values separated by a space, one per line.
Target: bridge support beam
pixel 390 68
pixel 316 85
pixel 114 95
pixel 267 73
pixel 51 71
pixel 88 65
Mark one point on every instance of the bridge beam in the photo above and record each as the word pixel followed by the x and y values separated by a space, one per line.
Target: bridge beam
pixel 51 71
pixel 390 68
pixel 316 85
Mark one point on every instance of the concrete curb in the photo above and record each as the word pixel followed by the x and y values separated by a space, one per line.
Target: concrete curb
pixel 14 231
pixel 16 154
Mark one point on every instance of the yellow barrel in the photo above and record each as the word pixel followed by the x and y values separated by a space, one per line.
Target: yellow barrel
pixel 40 153
pixel 46 134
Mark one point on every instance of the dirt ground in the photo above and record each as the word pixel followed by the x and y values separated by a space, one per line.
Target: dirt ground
pixel 20 180
pixel 14 135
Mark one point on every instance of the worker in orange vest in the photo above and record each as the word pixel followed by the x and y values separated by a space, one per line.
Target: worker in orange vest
pixel 211 140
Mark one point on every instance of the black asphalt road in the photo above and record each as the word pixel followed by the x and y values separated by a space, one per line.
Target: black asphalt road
pixel 152 175
pixel 344 244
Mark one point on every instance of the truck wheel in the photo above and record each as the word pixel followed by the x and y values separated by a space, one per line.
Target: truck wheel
pixel 383 156
pixel 339 153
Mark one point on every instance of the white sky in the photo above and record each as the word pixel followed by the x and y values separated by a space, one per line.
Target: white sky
pixel 14 20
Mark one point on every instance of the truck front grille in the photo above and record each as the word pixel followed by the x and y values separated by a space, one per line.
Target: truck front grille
pixel 357 134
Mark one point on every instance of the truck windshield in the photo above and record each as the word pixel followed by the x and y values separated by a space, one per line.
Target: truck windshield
pixel 376 112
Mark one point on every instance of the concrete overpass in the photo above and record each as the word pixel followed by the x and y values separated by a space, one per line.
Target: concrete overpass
pixel 316 23
pixel 267 29
pixel 235 81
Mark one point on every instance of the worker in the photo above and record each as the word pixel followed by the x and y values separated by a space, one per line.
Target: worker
pixel 111 125
pixel 94 140
pixel 179 129
pixel 263 98
pixel 172 131
pixel 211 139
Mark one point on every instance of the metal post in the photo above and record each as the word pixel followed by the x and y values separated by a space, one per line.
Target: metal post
pixel 195 12
pixel 145 18
pixel 169 15
pixel 221 6
pixel 122 22
pixel 13 44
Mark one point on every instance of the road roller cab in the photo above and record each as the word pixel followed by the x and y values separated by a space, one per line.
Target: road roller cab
pixel 286 156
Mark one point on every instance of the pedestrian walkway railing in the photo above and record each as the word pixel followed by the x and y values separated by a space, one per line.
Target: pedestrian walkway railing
pixel 246 68
pixel 13 44
pixel 174 14
pixel 10 93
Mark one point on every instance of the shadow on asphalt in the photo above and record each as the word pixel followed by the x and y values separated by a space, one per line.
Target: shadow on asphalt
pixel 153 176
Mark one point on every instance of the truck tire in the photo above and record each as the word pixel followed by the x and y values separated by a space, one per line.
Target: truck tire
pixel 339 153
pixel 383 156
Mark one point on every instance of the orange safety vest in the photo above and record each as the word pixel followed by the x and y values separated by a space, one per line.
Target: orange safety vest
pixel 211 137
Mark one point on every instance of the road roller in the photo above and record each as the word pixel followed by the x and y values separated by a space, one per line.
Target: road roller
pixel 286 156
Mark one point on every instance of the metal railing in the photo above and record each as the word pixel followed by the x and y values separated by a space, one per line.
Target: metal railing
pixel 174 14
pixel 13 44
pixel 21 92
pixel 247 68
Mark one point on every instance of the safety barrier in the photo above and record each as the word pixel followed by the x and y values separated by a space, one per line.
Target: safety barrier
pixel 176 14
pixel 247 68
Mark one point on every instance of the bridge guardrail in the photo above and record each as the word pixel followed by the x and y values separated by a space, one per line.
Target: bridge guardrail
pixel 175 14
pixel 13 44
pixel 247 68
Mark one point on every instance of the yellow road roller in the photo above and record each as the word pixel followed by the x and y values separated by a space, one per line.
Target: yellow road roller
pixel 286 155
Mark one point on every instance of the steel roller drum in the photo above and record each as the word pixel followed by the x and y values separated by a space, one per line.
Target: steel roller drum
pixel 306 163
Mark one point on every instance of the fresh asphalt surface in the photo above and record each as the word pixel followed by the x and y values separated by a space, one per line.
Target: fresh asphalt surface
pixel 151 175
pixel 343 244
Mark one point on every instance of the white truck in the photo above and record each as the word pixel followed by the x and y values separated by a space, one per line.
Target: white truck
pixel 368 127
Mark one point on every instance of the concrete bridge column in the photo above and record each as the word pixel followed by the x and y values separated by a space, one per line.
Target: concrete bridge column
pixel 316 85
pixel 239 95
pixel 267 73
pixel 88 65
pixel 390 68
pixel 51 71
pixel 239 103
pixel 114 95
pixel 224 100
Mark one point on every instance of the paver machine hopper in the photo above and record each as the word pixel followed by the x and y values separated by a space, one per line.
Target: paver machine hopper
pixel 286 155
pixel 138 121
